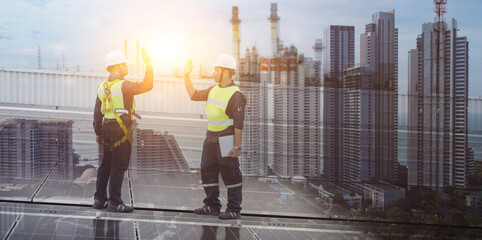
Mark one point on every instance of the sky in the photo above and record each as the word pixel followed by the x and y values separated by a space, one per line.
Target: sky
pixel 83 32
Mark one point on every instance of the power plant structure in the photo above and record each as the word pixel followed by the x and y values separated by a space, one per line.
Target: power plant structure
pixel 236 40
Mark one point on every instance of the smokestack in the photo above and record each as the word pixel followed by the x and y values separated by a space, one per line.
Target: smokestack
pixel 274 19
pixel 236 41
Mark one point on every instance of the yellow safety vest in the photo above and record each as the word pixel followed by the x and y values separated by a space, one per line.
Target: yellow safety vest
pixel 216 104
pixel 110 94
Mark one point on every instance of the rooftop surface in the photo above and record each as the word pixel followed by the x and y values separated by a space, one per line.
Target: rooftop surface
pixel 52 206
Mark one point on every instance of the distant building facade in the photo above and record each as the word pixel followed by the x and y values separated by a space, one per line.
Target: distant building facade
pixel 254 158
pixel 439 154
pixel 338 56
pixel 31 149
pixel 379 53
pixel 296 119
pixel 381 193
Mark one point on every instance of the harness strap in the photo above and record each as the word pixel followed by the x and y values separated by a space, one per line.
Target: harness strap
pixel 107 98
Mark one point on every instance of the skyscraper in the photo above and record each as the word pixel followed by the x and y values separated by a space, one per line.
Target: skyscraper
pixel 379 53
pixel 359 127
pixel 339 55
pixel 439 108
pixel 254 158
pixel 340 50
pixel 296 115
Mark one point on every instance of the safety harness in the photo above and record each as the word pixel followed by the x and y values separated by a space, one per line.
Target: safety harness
pixel 110 109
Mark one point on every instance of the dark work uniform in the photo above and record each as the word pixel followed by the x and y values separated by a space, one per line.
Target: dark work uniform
pixel 212 163
pixel 115 161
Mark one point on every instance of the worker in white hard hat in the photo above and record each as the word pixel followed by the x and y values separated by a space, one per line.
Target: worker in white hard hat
pixel 113 117
pixel 225 111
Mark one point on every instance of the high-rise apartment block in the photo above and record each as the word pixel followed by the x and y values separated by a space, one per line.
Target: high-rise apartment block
pixel 338 55
pixel 438 153
pixel 359 125
pixel 379 54
pixel 254 158
pixel 296 120
pixel 31 149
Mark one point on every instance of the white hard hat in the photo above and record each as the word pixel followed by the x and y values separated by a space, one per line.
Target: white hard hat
pixel 225 61
pixel 114 58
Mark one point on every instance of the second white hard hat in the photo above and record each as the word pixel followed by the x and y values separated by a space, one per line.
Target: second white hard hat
pixel 114 58
pixel 225 61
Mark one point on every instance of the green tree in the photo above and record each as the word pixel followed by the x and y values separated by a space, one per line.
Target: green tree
pixel 397 214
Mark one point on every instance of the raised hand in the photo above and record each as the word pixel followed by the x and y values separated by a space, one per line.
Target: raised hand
pixel 145 57
pixel 188 68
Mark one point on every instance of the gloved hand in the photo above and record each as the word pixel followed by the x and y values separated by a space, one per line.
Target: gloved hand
pixel 187 68
pixel 146 58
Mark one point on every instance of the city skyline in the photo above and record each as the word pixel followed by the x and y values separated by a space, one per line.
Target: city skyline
pixel 20 36
pixel 293 107
pixel 327 132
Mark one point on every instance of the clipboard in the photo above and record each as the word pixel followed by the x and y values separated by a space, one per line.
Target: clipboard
pixel 226 143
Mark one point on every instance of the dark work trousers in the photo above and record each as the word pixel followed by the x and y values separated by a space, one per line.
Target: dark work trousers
pixel 115 162
pixel 211 164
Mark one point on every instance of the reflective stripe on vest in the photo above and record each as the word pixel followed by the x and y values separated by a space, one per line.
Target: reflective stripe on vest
pixel 216 107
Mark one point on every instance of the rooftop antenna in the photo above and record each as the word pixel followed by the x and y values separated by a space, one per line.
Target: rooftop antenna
pixel 440 9
pixel 439 29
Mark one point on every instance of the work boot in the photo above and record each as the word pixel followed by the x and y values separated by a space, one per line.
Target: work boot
pixel 122 208
pixel 229 215
pixel 99 204
pixel 206 210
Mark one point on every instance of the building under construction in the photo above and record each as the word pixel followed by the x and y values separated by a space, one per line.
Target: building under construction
pixel 30 149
